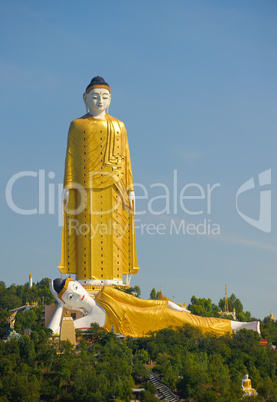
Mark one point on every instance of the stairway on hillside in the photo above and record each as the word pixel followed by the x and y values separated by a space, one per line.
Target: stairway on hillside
pixel 164 393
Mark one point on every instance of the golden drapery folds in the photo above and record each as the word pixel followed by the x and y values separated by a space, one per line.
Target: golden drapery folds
pixel 98 155
pixel 98 231
pixel 136 317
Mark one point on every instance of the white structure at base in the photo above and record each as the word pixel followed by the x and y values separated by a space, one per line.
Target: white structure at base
pixel 254 325
pixel 94 282
pixel 30 281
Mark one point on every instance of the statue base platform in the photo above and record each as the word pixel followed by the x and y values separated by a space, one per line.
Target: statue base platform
pixel 93 286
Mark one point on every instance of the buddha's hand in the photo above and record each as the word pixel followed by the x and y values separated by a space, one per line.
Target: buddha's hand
pixel 55 294
pixel 56 319
pixel 61 303
pixel 132 200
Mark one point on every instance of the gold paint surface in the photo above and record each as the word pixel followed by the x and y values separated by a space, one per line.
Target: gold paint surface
pixel 98 239
pixel 131 316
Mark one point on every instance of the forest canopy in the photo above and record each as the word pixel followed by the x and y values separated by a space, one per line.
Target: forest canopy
pixel 193 365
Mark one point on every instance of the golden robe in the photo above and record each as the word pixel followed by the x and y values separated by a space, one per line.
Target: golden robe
pixel 131 316
pixel 98 239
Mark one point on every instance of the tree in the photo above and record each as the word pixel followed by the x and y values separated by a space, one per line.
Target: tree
pixel 20 387
pixel 137 290
pixel 269 330
pixel 167 370
pixel 134 291
pixel 147 396
pixel 153 294
pixel 3 322
pixel 194 383
pixel 101 368
pixel 268 389
pixel 203 307
pixel 233 303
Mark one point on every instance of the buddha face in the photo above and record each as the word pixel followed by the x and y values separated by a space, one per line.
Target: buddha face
pixel 75 295
pixel 98 99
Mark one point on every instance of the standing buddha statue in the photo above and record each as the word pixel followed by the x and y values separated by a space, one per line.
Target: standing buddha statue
pixel 98 238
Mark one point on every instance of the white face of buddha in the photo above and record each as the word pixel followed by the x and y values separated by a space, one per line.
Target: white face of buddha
pixel 75 295
pixel 98 99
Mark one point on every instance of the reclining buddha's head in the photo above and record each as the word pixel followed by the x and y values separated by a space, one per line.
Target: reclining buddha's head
pixel 71 292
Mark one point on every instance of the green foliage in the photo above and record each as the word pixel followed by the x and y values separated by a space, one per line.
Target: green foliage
pixel 209 368
pixel 140 373
pixel 16 296
pixel 268 389
pixel 244 316
pixel 28 319
pixel 147 396
pixel 134 291
pixel 167 370
pixel 153 294
pixel 4 314
pixel 203 307
pixel 95 371
pixel 137 290
pixel 101 368
pixel 269 330
pixel 233 303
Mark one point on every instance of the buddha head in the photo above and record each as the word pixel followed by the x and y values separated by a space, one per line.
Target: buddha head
pixel 71 292
pixel 97 97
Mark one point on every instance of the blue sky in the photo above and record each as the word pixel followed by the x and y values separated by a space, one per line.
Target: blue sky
pixel 195 84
